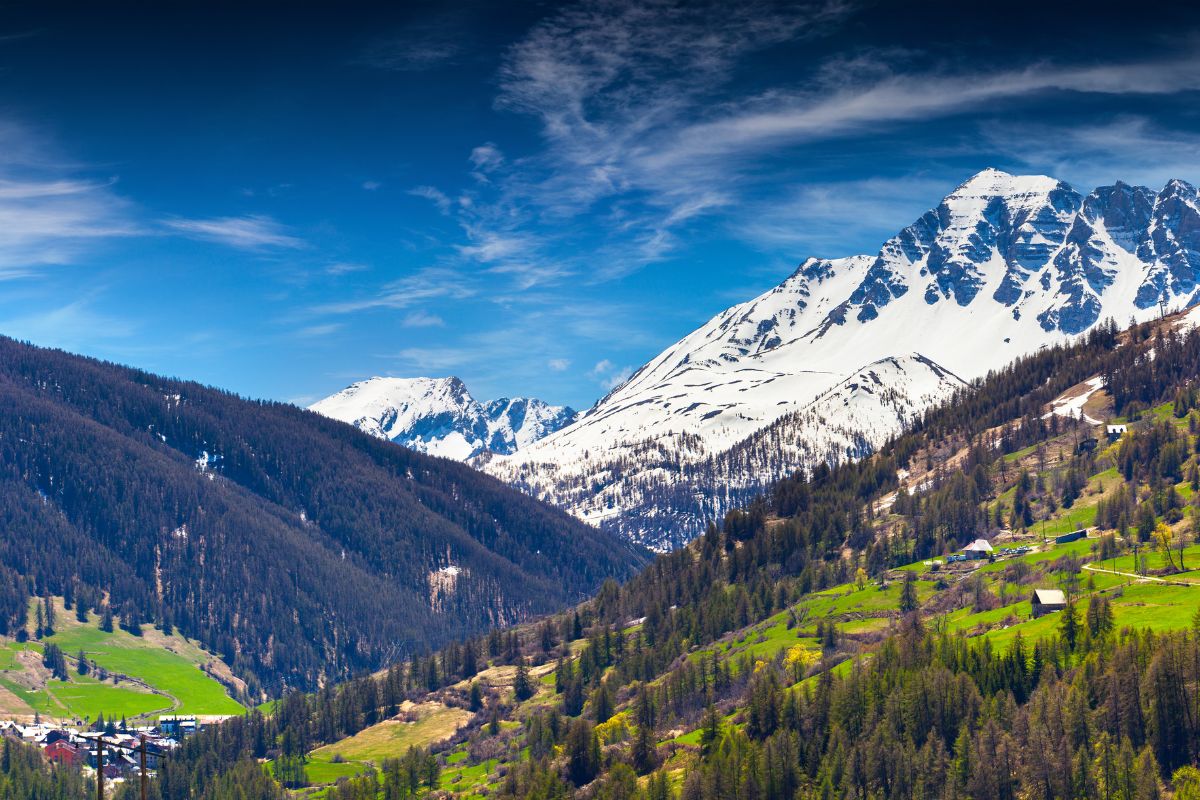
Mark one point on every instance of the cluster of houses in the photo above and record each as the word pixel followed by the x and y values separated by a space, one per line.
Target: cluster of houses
pixel 982 548
pixel 76 747
pixel 1044 601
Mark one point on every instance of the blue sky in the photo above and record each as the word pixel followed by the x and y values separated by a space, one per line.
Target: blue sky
pixel 534 197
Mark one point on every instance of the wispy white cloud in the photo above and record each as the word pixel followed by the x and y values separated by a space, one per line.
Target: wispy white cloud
pixel 604 76
pixel 428 284
pixel 73 326
pixel 777 118
pixel 486 157
pixel 637 117
pixel 254 232
pixel 345 268
pixel 609 375
pixel 423 319
pixel 559 364
pixel 433 195
pixel 489 246
pixel 371 186
pixel 433 359
pixel 1130 149
pixel 527 275
pixel 833 219
pixel 319 331
pixel 46 222
pixel 421 46
pixel 48 214
pixel 606 79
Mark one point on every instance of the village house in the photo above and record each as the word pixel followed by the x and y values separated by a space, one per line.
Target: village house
pixel 1046 601
pixel 63 752
pixel 177 724
pixel 1116 431
pixel 980 548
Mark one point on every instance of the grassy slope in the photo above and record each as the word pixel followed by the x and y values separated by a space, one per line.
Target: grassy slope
pixel 161 674
pixel 392 737
pixel 1136 603
pixel 862 616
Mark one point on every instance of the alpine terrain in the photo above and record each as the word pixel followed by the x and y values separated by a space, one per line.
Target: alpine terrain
pixel 294 547
pixel 836 359
pixel 998 603
pixel 440 417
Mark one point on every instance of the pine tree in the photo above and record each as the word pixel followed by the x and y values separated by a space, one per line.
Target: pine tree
pixel 659 787
pixel 560 675
pixel 710 729
pixel 572 697
pixel 475 701
pixel 48 630
pixel 523 687
pixel 644 752
pixel 470 663
pixel 1099 616
pixel 602 703
pixel 1148 784
pixel 582 749
pixel 494 722
pixel 1068 625
pixel 908 594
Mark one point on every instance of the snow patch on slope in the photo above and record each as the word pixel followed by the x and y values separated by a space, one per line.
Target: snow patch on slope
pixel 1072 406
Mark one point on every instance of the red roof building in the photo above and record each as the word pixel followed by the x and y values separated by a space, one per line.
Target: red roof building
pixel 63 752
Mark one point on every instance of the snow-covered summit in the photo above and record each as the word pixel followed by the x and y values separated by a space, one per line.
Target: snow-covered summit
pixel 1003 265
pixel 992 181
pixel 440 417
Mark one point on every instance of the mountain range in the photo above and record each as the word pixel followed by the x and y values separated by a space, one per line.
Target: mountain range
pixel 837 358
pixel 440 417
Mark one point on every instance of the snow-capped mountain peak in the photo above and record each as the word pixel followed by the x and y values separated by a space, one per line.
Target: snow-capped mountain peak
pixel 440 417
pixel 835 358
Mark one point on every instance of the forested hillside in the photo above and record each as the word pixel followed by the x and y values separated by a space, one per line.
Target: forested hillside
pixel 295 547
pixel 820 643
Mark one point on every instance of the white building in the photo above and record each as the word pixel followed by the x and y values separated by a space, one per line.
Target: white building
pixel 980 548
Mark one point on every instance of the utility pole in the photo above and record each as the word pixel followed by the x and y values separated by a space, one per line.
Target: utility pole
pixel 142 760
pixel 141 749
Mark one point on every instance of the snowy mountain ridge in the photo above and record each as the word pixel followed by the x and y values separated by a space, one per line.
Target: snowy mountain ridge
pixel 439 416
pixel 839 356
